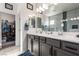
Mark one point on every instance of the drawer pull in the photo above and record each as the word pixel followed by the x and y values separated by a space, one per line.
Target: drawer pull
pixel 71 48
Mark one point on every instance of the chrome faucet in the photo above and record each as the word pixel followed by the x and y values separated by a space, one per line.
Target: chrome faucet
pixel 60 33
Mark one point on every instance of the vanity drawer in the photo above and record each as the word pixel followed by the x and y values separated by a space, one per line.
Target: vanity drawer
pixel 60 52
pixel 42 39
pixel 36 37
pixel 69 46
pixel 53 42
pixel 31 36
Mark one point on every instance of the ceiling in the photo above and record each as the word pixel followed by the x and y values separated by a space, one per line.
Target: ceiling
pixel 60 7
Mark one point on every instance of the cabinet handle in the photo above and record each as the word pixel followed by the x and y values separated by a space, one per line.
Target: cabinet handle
pixel 71 48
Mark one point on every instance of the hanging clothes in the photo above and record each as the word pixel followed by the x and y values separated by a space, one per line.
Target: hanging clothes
pixel 5 27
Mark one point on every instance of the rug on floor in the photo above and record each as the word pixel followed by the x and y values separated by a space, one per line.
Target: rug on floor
pixel 26 53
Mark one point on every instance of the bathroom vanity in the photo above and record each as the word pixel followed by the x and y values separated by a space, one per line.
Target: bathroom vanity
pixel 41 44
pixel 55 44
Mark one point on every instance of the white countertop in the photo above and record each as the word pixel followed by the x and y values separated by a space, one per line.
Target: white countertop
pixel 64 37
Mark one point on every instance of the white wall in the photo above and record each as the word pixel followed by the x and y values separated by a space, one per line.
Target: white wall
pixel 21 18
pixel 17 18
pixel 3 9
pixel 23 12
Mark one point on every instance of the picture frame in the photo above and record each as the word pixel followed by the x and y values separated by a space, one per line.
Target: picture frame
pixel 8 6
pixel 29 6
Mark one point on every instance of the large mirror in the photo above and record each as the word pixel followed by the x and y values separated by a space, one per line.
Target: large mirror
pixel 60 17
pixel 67 20
pixel 39 20
pixel 35 22
pixel 31 22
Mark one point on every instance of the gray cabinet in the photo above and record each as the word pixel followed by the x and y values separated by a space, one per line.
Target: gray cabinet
pixel 45 50
pixel 53 42
pixel 60 52
pixel 42 46
pixel 42 39
pixel 69 46
pixel 36 46
pixel 30 43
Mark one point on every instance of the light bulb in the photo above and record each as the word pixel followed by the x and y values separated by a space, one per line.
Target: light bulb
pixel 40 8
pixel 45 6
pixel 75 18
pixel 78 18
pixel 71 19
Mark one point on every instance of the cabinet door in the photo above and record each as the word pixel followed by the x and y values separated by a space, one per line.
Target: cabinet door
pixel 36 47
pixel 69 46
pixel 30 44
pixel 45 50
pixel 60 52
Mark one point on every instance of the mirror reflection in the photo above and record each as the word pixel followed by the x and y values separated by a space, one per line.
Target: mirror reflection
pixel 60 17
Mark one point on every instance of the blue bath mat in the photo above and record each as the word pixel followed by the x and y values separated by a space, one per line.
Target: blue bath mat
pixel 26 53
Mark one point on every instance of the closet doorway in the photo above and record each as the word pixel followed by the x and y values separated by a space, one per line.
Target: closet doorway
pixel 7 30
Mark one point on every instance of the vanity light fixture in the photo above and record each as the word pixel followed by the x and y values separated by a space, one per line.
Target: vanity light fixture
pixel 45 6
pixel 41 9
pixel 75 18
pixel 78 18
pixel 71 19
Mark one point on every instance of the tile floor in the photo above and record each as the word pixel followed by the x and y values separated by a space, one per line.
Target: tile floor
pixel 10 51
